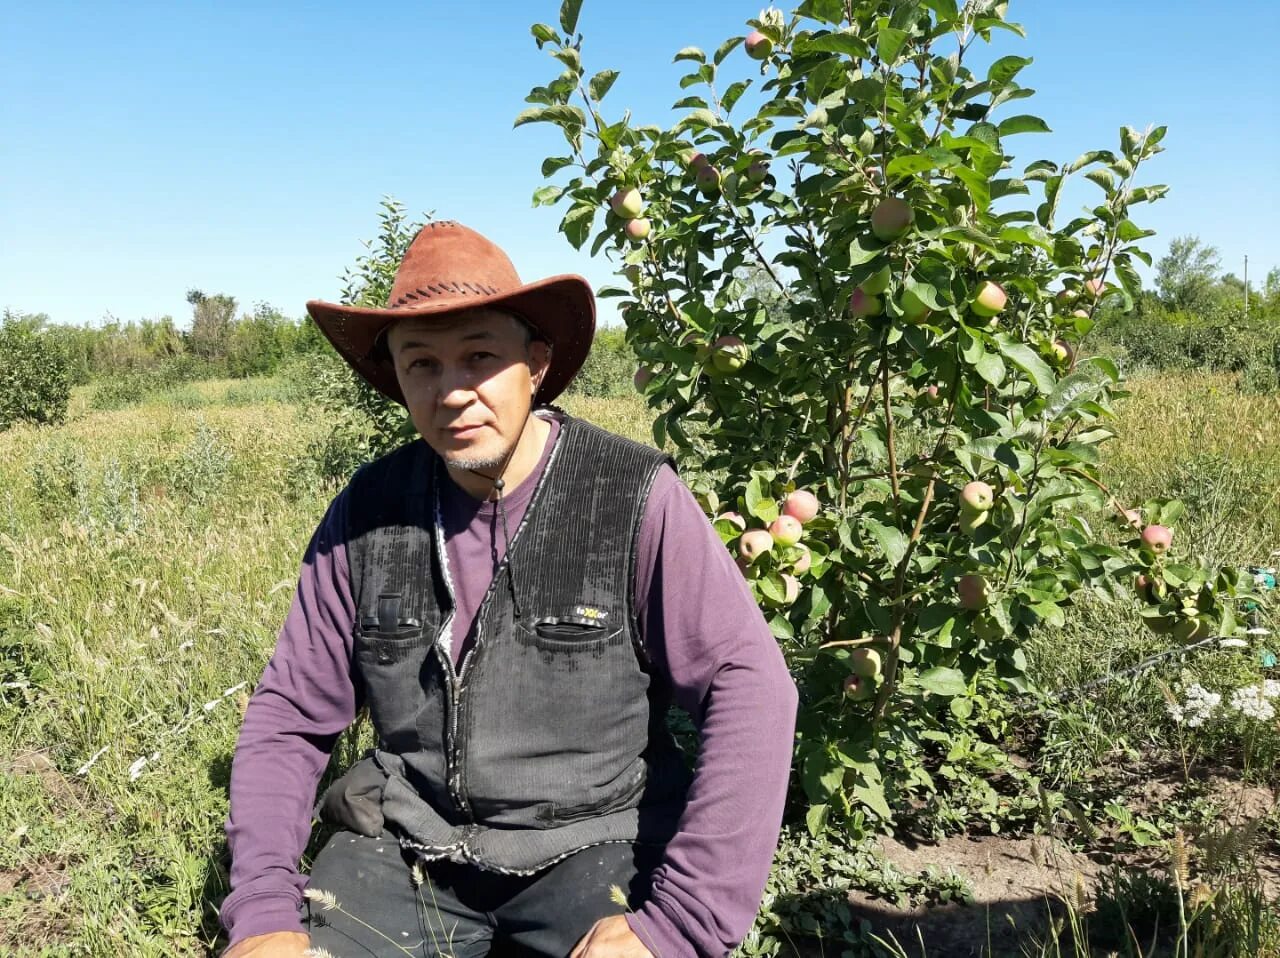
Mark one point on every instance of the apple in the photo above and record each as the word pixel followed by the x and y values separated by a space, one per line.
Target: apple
pixel 892 218
pixel 758 45
pixel 1064 298
pixel 1146 589
pixel 729 353
pixel 642 378
pixel 1080 314
pixel 932 395
pixel 862 304
pixel 977 496
pixel 972 589
pixel 1133 517
pixel 1094 287
pixel 759 168
pixel 1159 624
pixel 708 179
pixel 913 310
pixel 1061 353
pixel 754 543
pixel 858 687
pixel 627 203
pixel 989 299
pixel 803 564
pixel 632 273
pixel 638 228
pixel 866 663
pixel 802 505
pixel 786 530
pixel 1191 630
pixel 1157 538
pixel 698 160
pixel 791 587
pixel 734 519
pixel 971 522
pixel 877 283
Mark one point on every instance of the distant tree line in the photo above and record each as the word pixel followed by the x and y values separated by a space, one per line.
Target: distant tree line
pixel 1195 318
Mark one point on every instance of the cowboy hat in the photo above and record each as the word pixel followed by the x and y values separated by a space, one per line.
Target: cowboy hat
pixel 449 268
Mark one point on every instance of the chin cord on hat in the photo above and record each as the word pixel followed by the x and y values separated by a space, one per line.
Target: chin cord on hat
pixel 498 486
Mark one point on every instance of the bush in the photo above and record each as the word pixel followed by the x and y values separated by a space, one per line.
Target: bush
pixel 119 392
pixel 35 385
pixel 609 367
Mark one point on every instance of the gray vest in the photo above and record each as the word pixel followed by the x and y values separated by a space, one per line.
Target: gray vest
pixel 550 736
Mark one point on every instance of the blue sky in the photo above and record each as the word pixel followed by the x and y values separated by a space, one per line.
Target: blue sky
pixel 243 147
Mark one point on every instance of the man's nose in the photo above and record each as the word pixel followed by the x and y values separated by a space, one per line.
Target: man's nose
pixel 457 387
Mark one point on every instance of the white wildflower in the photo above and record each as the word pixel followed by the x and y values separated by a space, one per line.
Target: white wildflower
pixel 1271 688
pixel 1251 702
pixel 1200 704
pixel 1233 644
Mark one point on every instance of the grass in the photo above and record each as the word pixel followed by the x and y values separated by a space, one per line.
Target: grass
pixel 147 558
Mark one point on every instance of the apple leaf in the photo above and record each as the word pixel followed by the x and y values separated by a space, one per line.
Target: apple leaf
pixel 554 164
pixel 1005 69
pixel 1026 359
pixel 889 44
pixel 544 33
pixel 601 83
pixel 690 53
pixel 944 681
pixel 569 11
pixel 576 225
pixel 725 49
pixel 1023 124
pixel 892 541
pixel 547 195
pixel 846 43
pixel 990 368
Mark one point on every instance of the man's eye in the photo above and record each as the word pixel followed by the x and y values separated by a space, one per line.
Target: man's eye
pixel 420 363
pixel 479 356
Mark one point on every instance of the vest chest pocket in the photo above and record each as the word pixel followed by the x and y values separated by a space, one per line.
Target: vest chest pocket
pixel 572 633
pixel 395 667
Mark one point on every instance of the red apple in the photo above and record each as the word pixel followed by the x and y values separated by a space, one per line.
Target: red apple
pixel 642 378
pixel 758 45
pixel 1157 538
pixel 708 179
pixel 734 519
pixel 932 395
pixel 858 687
pixel 754 543
pixel 638 228
pixel 989 299
pixel 977 496
pixel 786 530
pixel 862 304
pixel 972 589
pixel 627 203
pixel 892 218
pixel 801 505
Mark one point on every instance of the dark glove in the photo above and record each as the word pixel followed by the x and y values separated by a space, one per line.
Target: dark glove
pixel 354 801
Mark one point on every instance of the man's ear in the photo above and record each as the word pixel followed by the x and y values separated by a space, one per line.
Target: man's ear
pixel 539 362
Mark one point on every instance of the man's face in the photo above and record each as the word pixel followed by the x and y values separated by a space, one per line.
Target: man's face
pixel 468 382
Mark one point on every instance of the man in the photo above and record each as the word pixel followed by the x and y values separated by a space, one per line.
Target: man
pixel 517 599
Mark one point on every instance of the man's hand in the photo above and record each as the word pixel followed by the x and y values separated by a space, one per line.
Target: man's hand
pixel 610 938
pixel 277 944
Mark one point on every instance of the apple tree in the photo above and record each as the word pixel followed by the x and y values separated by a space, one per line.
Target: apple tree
pixel 864 331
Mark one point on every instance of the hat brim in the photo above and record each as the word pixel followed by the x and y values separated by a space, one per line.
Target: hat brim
pixel 561 308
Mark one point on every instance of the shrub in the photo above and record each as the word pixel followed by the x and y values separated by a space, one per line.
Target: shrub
pixel 35 385
pixel 609 367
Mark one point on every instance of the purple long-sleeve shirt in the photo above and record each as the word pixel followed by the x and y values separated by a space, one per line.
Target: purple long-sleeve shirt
pixel 702 630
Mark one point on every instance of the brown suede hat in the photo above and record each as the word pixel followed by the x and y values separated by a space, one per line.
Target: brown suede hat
pixel 447 269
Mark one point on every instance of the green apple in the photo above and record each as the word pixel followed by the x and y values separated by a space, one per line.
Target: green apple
pixel 989 299
pixel 758 46
pixel 627 203
pixel 891 218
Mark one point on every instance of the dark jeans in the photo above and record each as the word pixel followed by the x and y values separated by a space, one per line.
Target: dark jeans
pixel 459 910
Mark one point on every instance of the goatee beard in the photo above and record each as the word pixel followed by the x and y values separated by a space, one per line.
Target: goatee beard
pixel 462 463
